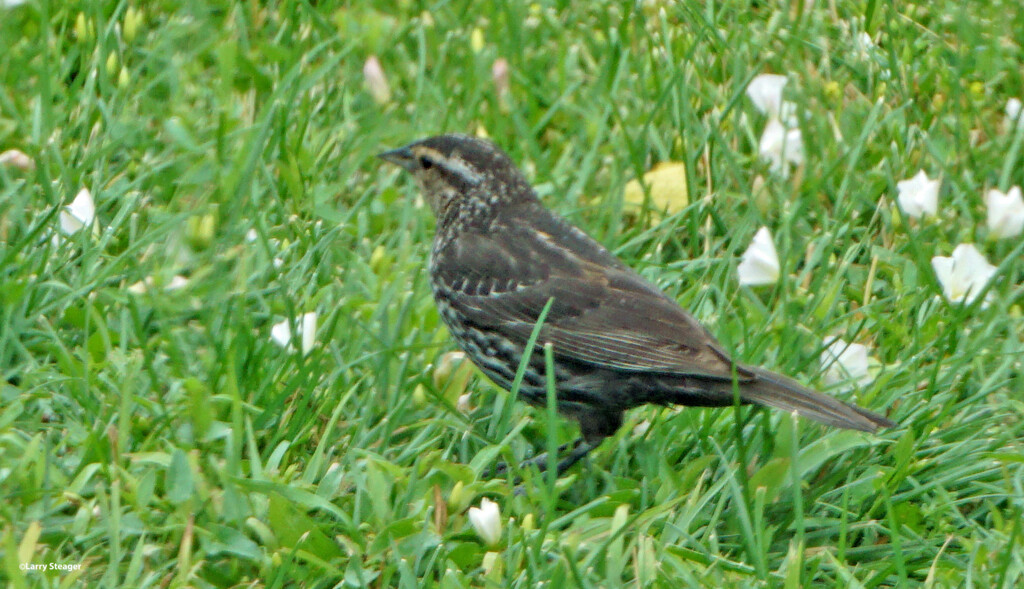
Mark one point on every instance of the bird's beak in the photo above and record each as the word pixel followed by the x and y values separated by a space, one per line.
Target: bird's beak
pixel 402 157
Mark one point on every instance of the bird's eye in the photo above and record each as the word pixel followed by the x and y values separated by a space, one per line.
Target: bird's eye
pixel 425 163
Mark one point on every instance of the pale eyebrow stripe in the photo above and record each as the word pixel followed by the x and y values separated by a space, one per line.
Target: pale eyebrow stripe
pixel 459 168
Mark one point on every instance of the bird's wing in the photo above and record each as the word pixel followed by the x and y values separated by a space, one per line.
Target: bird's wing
pixel 602 313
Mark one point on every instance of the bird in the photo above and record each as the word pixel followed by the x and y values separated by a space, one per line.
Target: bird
pixel 499 258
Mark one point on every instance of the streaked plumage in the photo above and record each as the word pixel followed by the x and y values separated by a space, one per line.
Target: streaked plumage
pixel 619 342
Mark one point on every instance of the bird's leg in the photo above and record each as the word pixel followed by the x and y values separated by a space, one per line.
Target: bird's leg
pixel 541 460
pixel 581 448
pixel 595 426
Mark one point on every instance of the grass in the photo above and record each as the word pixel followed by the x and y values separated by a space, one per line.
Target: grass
pixel 162 439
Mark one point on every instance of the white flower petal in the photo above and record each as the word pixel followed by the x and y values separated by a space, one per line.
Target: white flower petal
pixel 918 196
pixel 781 147
pixel 83 208
pixel 760 263
pixel 140 286
pixel 1005 212
pixel 281 333
pixel 486 520
pixel 176 282
pixel 80 213
pixel 845 363
pixel 788 114
pixel 943 267
pixel 765 91
pixel 1013 109
pixel 964 274
pixel 307 329
pixel 863 43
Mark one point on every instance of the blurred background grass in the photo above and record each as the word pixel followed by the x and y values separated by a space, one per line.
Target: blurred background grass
pixel 160 438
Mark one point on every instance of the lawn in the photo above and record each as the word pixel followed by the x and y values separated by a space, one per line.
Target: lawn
pixel 195 180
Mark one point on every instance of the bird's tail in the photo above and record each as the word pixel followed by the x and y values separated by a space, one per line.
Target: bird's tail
pixel 779 392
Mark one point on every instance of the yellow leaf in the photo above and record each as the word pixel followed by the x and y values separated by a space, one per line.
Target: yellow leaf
pixel 667 184
pixel 476 40
pixel 27 548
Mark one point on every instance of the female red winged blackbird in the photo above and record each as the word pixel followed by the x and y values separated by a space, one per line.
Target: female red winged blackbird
pixel 618 342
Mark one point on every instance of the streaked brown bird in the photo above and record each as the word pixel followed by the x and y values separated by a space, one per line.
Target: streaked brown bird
pixel 618 342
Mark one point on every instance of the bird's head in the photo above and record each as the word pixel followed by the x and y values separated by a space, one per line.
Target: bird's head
pixel 466 172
